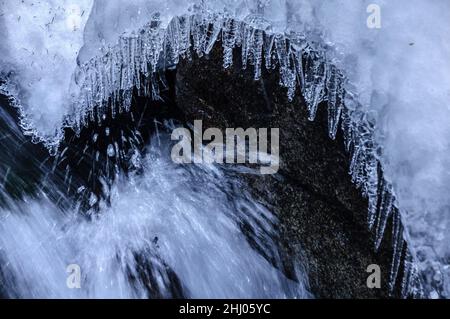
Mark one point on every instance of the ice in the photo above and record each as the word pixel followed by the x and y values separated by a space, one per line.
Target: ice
pixel 230 39
pixel 397 235
pixel 387 88
pixel 40 44
pixel 336 96
pixel 400 73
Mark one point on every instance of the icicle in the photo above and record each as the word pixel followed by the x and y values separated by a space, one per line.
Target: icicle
pixel 384 212
pixel 212 34
pixel 314 88
pixel 408 270
pixel 172 45
pixel 247 41
pixel 177 40
pixel 347 126
pixel 335 100
pixel 397 249
pixel 184 36
pixel 199 29
pixel 357 166
pixel 287 73
pixel 255 28
pixel 373 195
pixel 152 39
pixel 268 49
pixel 371 213
pixel 229 32
pixel 257 52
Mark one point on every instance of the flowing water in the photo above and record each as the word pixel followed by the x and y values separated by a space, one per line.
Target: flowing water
pixel 168 231
pixel 387 88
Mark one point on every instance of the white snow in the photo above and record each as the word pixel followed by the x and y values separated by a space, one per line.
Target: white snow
pixel 400 73
pixel 40 44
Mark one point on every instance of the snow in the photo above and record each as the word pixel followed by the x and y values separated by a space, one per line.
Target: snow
pixel 402 72
pixel 40 44
pixel 397 85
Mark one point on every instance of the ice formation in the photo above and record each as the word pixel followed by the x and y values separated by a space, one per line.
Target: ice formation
pixel 40 44
pixel 380 86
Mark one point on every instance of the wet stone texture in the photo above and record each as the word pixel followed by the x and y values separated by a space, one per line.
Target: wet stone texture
pixel 322 215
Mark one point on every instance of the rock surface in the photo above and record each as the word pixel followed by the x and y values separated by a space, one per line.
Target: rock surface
pixel 322 215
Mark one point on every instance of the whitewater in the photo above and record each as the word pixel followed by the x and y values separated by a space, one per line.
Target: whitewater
pixel 150 240
pixel 397 76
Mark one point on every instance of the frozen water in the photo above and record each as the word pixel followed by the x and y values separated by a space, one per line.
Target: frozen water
pixel 401 74
pixel 395 83
pixel 40 44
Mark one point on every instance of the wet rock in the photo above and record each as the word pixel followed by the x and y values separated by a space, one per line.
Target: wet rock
pixel 20 159
pixel 322 215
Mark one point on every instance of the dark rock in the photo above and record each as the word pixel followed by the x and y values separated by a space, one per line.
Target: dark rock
pixel 20 159
pixel 322 215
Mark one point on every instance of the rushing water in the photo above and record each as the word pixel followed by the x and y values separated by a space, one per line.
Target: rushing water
pixel 169 231
pixel 53 50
